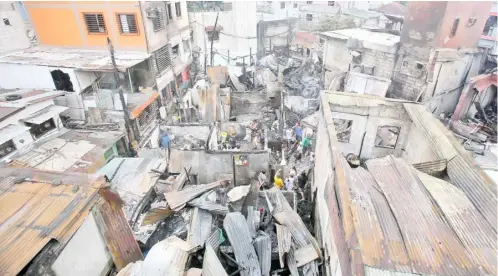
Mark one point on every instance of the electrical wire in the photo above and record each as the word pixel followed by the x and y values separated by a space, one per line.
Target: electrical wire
pixel 248 37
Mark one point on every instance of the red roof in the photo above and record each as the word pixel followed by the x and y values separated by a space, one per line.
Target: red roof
pixel 305 38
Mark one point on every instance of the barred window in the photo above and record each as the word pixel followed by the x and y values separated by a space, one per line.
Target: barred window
pixel 163 58
pixel 95 23
pixel 170 12
pixel 158 20
pixel 127 24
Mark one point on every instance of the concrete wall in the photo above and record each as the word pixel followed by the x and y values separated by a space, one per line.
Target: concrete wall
pixel 275 33
pixel 242 36
pixel 213 166
pixel 366 121
pixel 328 227
pixel 337 57
pixel 416 149
pixel 25 76
pixel 13 36
pixel 172 28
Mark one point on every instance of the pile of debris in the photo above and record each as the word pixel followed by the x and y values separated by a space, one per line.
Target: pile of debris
pixel 213 229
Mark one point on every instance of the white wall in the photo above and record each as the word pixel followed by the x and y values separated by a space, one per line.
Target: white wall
pixel 26 112
pixel 243 13
pixel 12 37
pixel 25 76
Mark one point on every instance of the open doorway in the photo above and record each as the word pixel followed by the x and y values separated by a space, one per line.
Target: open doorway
pixel 62 81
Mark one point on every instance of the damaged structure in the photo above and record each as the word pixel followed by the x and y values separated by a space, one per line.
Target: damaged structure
pixel 385 216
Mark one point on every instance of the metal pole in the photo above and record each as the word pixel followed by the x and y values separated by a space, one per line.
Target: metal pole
pixel 128 126
pixel 228 57
pixel 212 40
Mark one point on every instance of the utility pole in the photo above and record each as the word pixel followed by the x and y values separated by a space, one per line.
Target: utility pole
pixel 212 38
pixel 128 126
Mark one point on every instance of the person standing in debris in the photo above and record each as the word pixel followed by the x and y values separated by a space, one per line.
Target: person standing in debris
pixel 298 130
pixel 289 183
pixel 278 182
pixel 302 179
pixel 262 179
pixel 305 143
pixel 289 135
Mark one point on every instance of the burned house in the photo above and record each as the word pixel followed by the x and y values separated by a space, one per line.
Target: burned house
pixel 415 205
pixel 61 224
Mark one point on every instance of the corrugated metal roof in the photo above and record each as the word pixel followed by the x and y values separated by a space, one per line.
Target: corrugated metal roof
pixel 200 227
pixel 378 234
pixel 432 167
pixel 283 241
pixel 167 257
pixel 240 238
pixel 211 265
pixel 177 199
pixel 480 190
pixel 35 212
pixel 474 231
pixel 117 232
pixel 7 111
pixel 432 246
pixel 262 244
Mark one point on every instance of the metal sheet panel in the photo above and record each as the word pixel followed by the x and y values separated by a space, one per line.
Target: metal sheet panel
pixel 45 114
pixel 480 190
pixel 432 246
pixel 200 227
pixel 431 167
pixel 177 199
pixel 474 231
pixel 33 213
pixel 240 238
pixel 167 258
pixel 378 235
pixel 262 244
pixel 211 265
pixel 284 242
pixel 117 232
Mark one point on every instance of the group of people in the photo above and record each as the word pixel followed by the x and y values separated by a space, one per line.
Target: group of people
pixel 295 134
pixel 291 183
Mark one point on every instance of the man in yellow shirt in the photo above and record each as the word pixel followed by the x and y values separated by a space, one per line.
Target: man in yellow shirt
pixel 278 182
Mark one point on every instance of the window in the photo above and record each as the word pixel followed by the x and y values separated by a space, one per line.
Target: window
pixel 170 12
pixel 95 23
pixel 455 27
pixel 309 17
pixel 6 22
pixel 178 9
pixel 343 129
pixel 186 46
pixel 331 3
pixel 7 148
pixel 282 5
pixel 41 129
pixel 158 20
pixel 175 51
pixel 127 24
pixel 162 58
pixel 295 5
pixel 387 137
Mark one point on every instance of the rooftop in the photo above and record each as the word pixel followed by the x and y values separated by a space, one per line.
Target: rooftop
pixel 26 97
pixel 89 60
pixel 362 13
pixel 394 9
pixel 396 216
pixel 372 40
pixel 68 151
pixel 34 211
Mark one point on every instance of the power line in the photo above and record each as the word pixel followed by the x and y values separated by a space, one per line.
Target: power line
pixel 247 37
